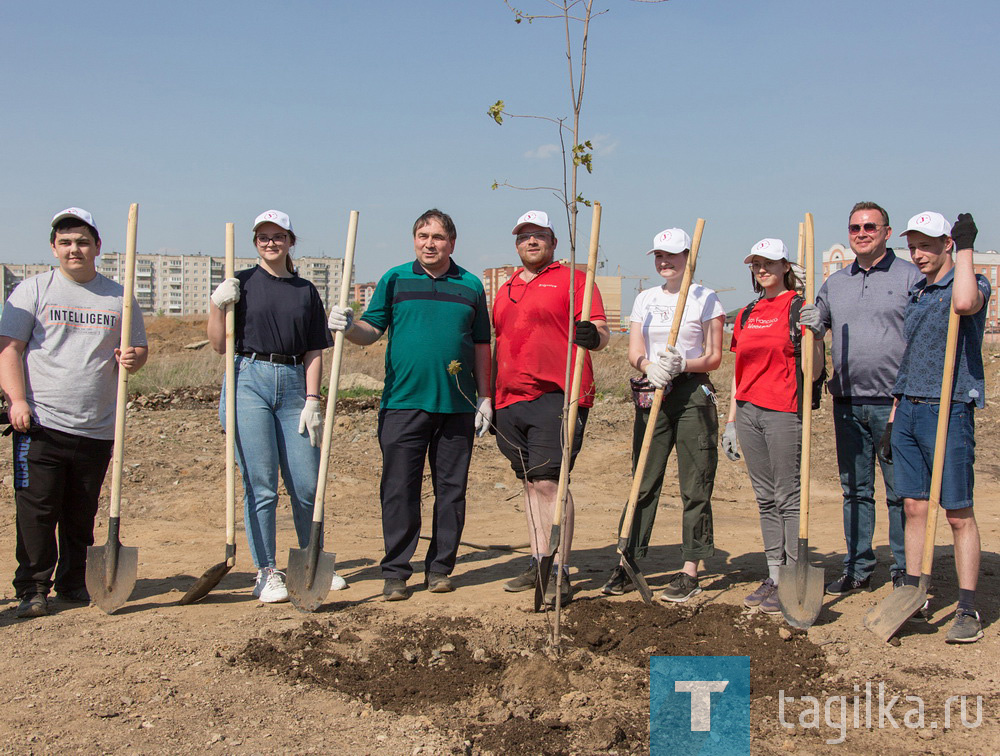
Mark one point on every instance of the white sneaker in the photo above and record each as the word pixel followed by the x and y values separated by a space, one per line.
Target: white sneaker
pixel 258 583
pixel 274 590
pixel 338 583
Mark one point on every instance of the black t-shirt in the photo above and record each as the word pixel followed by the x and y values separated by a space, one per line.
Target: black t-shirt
pixel 279 315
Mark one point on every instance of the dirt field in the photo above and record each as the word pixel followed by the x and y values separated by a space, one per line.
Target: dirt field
pixel 466 672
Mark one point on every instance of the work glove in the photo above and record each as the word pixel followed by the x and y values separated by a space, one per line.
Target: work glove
pixel 484 415
pixel 885 445
pixel 657 374
pixel 730 444
pixel 311 421
pixel 673 361
pixel 964 232
pixel 811 318
pixel 341 319
pixel 226 293
pixel 586 335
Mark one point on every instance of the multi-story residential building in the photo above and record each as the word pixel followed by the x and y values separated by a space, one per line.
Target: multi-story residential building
pixel 362 293
pixel 986 263
pixel 609 286
pixel 181 284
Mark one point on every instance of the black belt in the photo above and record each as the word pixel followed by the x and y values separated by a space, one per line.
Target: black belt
pixel 278 359
pixel 922 400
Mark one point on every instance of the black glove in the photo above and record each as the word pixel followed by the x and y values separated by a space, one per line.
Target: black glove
pixel 964 232
pixel 586 335
pixel 885 445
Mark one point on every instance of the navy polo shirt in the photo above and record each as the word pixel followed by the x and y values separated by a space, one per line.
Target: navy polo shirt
pixel 925 325
pixel 430 322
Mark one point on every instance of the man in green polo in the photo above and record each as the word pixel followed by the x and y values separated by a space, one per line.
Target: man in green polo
pixel 436 315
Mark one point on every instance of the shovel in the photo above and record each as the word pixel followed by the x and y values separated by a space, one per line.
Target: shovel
pixel 214 574
pixel 555 535
pixel 885 619
pixel 631 568
pixel 800 586
pixel 111 569
pixel 310 570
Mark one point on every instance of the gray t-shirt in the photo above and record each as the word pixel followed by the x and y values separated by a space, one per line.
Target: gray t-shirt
pixel 72 331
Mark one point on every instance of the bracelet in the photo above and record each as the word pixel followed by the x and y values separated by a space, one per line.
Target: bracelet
pixel 313 396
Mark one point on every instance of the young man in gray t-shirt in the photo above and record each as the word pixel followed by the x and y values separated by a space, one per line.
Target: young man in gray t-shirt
pixel 59 356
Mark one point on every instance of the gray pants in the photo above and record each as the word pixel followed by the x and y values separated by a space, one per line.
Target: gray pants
pixel 771 442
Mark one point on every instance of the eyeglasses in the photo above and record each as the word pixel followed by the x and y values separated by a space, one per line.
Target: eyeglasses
pixel 543 236
pixel 263 241
pixel 869 228
pixel 755 264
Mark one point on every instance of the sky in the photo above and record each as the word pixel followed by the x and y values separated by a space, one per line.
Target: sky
pixel 745 113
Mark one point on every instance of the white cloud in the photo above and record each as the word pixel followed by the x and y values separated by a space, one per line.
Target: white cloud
pixel 543 152
pixel 604 144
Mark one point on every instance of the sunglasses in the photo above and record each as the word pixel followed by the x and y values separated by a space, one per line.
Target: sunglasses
pixel 869 228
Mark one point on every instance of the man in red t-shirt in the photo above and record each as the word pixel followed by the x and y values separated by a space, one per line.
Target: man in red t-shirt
pixel 531 323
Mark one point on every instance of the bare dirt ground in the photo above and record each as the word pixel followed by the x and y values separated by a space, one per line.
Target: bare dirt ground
pixel 466 672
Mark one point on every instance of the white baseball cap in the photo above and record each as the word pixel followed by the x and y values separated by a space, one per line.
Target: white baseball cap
pixel 772 249
pixel 74 212
pixel 273 216
pixel 672 240
pixel 534 218
pixel 932 224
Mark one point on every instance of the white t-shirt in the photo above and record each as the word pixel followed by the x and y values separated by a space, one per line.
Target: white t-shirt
pixel 72 331
pixel 654 312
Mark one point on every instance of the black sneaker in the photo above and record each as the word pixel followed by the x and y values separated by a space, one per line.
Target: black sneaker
pixel 74 596
pixel 966 628
pixel 618 583
pixel 524 581
pixel 680 588
pixel 395 589
pixel 550 592
pixel 846 584
pixel 36 605
pixel 438 582
pixel 898 578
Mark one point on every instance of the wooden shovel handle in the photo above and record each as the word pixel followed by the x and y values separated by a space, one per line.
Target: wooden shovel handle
pixel 581 356
pixel 118 455
pixel 231 399
pixel 654 410
pixel 806 396
pixel 338 354
pixel 940 441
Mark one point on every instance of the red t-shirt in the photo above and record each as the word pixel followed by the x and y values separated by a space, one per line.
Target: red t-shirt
pixel 531 323
pixel 765 356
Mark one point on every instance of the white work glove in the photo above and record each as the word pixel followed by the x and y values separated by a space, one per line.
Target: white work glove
pixel 226 293
pixel 341 319
pixel 484 415
pixel 730 445
pixel 657 374
pixel 810 317
pixel 673 361
pixel 311 420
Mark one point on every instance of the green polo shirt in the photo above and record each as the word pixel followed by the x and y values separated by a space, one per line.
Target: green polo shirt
pixel 430 322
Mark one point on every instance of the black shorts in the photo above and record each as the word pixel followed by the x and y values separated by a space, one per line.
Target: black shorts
pixel 530 435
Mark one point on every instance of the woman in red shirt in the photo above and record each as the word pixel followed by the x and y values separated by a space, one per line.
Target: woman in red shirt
pixel 763 410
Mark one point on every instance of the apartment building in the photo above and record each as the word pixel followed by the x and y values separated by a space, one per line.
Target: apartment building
pixel 609 286
pixel 986 263
pixel 362 293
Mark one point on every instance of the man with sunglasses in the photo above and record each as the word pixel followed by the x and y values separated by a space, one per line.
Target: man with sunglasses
pixel 862 305
pixel 531 322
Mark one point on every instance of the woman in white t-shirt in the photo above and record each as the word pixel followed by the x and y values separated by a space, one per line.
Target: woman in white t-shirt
pixel 688 419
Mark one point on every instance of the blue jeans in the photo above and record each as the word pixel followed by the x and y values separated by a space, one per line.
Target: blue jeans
pixel 859 429
pixel 269 400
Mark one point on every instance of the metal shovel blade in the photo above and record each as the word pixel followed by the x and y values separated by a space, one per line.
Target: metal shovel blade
pixel 307 596
pixel 111 594
pixel 542 579
pixel 634 573
pixel 885 619
pixel 800 590
pixel 205 583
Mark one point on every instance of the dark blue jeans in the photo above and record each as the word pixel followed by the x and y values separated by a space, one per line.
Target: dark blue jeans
pixel 859 429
